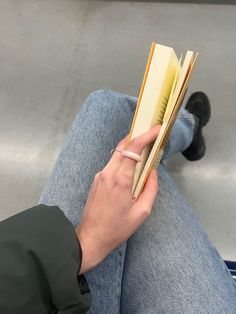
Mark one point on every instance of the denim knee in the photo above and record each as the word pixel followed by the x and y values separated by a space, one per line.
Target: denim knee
pixel 107 102
pixel 100 99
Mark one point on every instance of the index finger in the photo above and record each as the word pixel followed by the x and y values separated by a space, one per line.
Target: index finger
pixel 137 146
pixel 116 158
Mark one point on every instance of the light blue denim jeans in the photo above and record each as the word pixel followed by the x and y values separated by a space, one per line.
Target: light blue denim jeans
pixel 169 265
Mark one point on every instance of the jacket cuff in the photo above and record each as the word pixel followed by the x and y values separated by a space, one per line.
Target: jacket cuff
pixel 44 245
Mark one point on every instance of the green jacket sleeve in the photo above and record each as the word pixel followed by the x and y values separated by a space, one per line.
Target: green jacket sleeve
pixel 40 259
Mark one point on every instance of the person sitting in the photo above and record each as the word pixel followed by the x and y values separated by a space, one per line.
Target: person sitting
pixel 89 246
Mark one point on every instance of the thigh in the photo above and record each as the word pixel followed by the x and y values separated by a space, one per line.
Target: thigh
pixel 102 122
pixel 171 266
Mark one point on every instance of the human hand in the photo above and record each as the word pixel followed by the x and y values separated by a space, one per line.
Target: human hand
pixel 111 215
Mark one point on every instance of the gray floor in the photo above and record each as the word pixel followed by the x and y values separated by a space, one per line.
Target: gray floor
pixel 54 53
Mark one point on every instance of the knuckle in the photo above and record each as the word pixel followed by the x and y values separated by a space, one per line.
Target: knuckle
pixel 136 143
pixel 104 175
pixel 123 141
pixel 122 181
pixel 146 212
pixel 97 176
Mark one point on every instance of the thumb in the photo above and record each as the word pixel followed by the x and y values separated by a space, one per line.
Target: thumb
pixel 146 199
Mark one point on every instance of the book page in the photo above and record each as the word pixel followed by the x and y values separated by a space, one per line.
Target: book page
pixel 182 77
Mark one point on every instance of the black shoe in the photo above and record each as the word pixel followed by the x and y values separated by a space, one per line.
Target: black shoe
pixel 198 105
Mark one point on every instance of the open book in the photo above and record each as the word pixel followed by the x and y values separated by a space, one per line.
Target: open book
pixel 164 86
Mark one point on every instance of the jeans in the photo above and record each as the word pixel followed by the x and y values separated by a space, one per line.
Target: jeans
pixel 169 265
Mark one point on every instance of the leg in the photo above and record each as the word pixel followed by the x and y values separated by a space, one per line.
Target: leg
pixel 181 135
pixel 104 119
pixel 171 266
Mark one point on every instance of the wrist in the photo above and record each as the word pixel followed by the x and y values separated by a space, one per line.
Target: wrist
pixel 90 256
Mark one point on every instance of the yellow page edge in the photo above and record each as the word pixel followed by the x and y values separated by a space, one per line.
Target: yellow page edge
pixel 141 90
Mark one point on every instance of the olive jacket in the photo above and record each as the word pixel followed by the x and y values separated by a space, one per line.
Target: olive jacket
pixel 40 259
